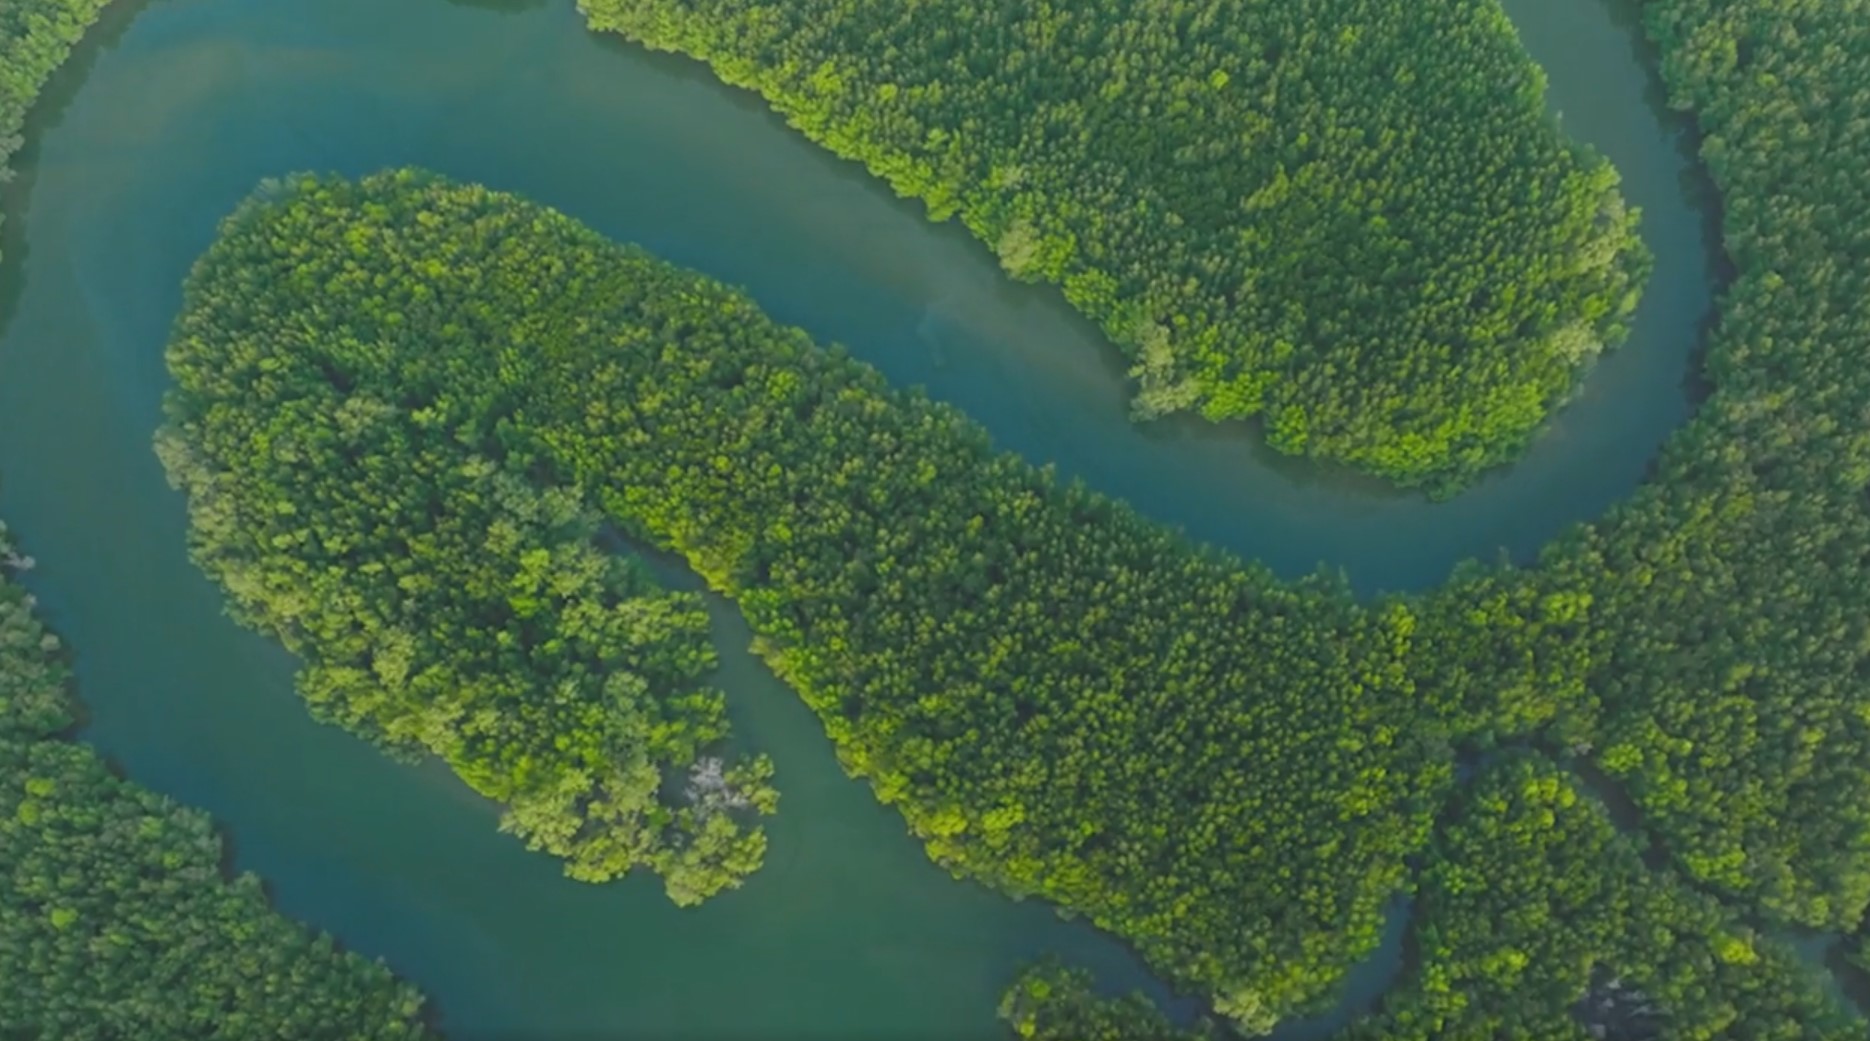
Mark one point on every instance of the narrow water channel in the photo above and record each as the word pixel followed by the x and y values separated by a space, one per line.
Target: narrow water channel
pixel 175 114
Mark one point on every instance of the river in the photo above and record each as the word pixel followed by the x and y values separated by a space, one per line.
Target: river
pixel 176 109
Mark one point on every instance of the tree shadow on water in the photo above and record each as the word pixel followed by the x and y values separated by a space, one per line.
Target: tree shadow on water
pixel 46 114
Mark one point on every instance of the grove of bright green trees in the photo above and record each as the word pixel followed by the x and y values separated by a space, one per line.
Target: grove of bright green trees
pixel 1062 699
pixel 1354 219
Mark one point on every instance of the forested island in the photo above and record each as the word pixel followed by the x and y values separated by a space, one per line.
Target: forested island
pixel 1354 220
pixel 1050 688
pixel 117 921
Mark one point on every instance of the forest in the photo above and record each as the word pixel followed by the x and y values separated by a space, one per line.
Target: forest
pixel 1717 667
pixel 118 922
pixel 1535 918
pixel 1353 220
pixel 1063 700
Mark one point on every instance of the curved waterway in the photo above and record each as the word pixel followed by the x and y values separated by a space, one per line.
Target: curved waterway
pixel 174 111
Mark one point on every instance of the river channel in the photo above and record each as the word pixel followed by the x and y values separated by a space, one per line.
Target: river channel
pixel 176 109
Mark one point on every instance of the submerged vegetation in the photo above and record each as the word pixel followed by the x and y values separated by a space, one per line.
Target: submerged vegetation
pixel 117 921
pixel 1353 219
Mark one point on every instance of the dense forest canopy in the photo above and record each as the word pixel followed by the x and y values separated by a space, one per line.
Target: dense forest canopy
pixel 1535 918
pixel 1062 699
pixel 117 922
pixel 1718 672
pixel 1352 218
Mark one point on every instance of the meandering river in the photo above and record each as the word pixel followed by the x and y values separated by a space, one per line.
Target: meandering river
pixel 177 108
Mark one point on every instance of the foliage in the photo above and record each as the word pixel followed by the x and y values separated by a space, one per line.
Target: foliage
pixel 35 38
pixel 1354 219
pixel 1063 699
pixel 371 508
pixel 117 921
pixel 1537 919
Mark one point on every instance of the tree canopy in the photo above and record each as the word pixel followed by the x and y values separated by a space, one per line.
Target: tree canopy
pixel 1534 919
pixel 1062 698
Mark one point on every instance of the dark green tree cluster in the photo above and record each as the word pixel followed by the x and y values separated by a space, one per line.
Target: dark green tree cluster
pixel 35 38
pixel 1063 699
pixel 1353 218
pixel 115 919
pixel 1536 919
pixel 364 500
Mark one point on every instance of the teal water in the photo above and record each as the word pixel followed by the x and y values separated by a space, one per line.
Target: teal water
pixel 179 107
